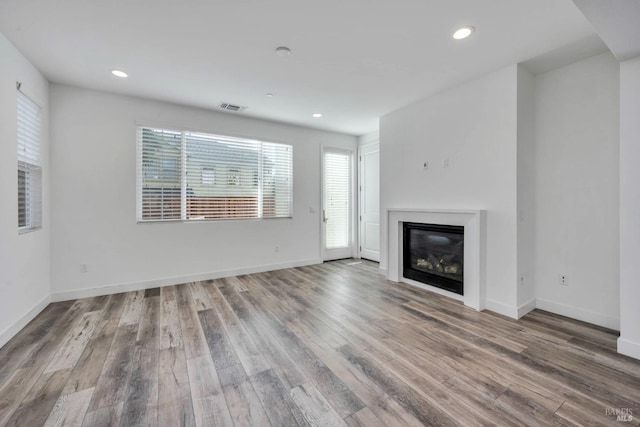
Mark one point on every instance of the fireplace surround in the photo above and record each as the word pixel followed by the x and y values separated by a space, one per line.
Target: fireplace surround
pixel 474 223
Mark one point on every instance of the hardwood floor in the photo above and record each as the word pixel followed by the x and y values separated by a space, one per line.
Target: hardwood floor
pixel 333 344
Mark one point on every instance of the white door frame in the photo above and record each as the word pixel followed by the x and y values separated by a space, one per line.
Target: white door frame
pixel 360 192
pixel 331 254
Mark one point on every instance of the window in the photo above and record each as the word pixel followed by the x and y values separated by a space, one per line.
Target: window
pixel 337 198
pixel 197 176
pixel 29 164
pixel 234 177
pixel 208 176
pixel 22 198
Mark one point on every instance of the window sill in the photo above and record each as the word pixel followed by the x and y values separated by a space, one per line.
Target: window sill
pixel 27 230
pixel 201 221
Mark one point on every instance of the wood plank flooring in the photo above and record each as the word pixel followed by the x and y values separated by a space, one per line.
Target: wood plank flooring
pixel 327 345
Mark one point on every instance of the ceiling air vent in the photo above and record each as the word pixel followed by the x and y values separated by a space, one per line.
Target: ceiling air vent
pixel 231 107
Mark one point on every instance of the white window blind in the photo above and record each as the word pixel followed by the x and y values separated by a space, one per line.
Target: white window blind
pixel 337 181
pixel 277 189
pixel 186 175
pixel 234 194
pixel 29 164
pixel 159 174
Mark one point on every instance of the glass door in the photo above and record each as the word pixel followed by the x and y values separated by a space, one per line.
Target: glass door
pixel 336 204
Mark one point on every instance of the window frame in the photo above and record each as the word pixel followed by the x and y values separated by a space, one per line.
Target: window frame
pixel 218 178
pixel 29 162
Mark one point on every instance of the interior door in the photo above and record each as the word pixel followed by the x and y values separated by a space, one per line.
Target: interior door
pixel 370 201
pixel 336 204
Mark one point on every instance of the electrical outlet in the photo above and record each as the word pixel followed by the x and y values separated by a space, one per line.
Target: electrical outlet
pixel 83 268
pixel 277 249
pixel 521 280
pixel 563 280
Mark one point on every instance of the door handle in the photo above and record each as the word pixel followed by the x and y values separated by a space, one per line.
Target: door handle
pixel 324 216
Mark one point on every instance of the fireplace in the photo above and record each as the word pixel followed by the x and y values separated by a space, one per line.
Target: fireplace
pixel 434 254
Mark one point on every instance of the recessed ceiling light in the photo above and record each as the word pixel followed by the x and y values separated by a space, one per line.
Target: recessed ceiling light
pixel 119 73
pixel 463 33
pixel 269 95
pixel 283 51
pixel 317 115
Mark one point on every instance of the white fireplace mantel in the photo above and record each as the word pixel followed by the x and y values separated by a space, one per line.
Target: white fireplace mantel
pixel 474 222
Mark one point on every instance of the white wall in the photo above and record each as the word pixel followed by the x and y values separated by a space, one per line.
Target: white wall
pixel 24 259
pixel 94 199
pixel 577 166
pixel 629 342
pixel 474 126
pixel 369 138
pixel 526 192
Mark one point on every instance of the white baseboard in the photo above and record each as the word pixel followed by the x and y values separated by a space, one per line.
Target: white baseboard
pixel 383 271
pixel 12 330
pixel 137 286
pixel 629 348
pixel 500 308
pixel 526 308
pixel 579 314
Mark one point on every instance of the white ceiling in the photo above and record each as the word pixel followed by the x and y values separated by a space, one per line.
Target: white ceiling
pixel 617 22
pixel 353 60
